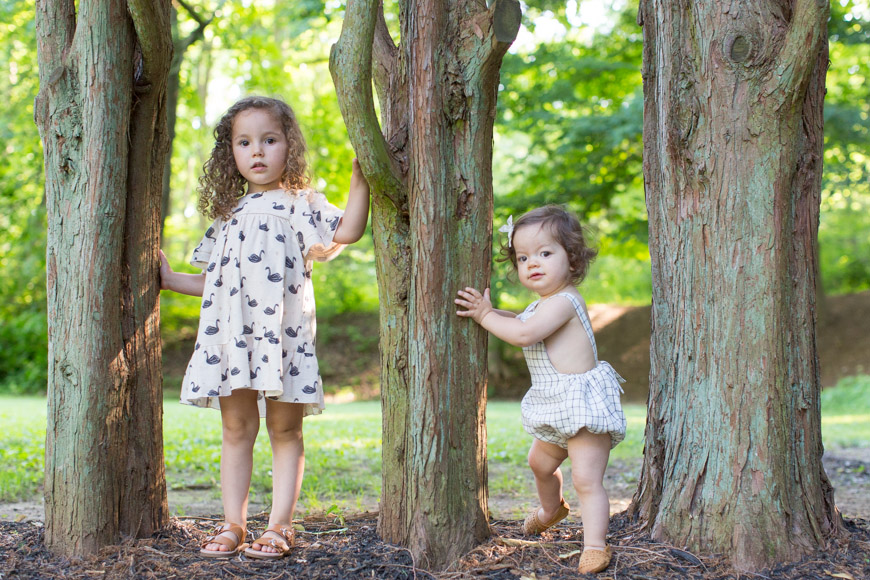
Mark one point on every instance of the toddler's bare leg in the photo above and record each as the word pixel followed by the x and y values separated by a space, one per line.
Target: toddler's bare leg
pixel 240 420
pixel 284 422
pixel 589 454
pixel 545 459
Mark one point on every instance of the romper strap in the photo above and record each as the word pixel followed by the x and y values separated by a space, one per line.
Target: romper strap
pixel 587 325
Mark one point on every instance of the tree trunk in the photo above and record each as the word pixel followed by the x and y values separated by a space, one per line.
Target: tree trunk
pixel 102 96
pixel 732 169
pixel 431 177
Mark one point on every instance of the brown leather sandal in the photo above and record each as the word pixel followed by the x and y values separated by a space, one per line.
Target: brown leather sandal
pixel 592 561
pixel 532 525
pixel 282 537
pixel 234 547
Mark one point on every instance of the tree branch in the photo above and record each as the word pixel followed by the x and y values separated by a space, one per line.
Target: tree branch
pixel 796 58
pixel 350 63
pixel 182 45
pixel 194 14
pixel 496 28
pixel 385 54
pixel 154 36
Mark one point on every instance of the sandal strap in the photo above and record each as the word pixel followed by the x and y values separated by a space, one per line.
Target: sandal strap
pixel 284 542
pixel 216 538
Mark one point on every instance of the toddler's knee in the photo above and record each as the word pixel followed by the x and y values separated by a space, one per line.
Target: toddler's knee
pixel 586 483
pixel 541 465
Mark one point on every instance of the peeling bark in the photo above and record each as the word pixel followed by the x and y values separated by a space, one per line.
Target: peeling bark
pixel 732 170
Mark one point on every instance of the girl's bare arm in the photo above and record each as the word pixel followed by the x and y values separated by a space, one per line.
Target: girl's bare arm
pixel 190 284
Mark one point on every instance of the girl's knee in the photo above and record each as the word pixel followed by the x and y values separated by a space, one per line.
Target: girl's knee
pixel 241 430
pixel 284 431
pixel 284 421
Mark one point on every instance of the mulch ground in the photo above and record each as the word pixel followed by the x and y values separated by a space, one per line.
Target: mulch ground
pixel 335 550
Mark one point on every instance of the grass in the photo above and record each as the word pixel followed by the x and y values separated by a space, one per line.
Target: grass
pixel 342 446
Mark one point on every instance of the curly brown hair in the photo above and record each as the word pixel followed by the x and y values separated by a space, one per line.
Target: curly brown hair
pixel 221 184
pixel 566 231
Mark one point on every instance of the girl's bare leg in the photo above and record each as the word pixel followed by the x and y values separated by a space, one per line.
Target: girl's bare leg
pixel 589 454
pixel 284 422
pixel 241 422
pixel 545 459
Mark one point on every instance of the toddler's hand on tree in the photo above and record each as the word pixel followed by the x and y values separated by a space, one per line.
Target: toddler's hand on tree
pixel 476 305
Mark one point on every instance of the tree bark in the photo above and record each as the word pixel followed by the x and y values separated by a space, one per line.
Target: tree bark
pixel 732 170
pixel 431 177
pixel 102 97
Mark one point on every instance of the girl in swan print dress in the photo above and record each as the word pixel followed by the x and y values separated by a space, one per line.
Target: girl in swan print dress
pixel 257 324
pixel 254 355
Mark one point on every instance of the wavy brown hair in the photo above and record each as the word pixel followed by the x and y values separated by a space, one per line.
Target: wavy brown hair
pixel 221 184
pixel 566 231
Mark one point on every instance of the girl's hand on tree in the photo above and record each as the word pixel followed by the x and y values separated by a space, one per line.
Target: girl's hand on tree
pixel 356 214
pixel 165 271
pixel 357 179
pixel 476 305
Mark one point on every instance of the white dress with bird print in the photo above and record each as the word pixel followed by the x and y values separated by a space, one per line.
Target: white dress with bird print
pixel 257 322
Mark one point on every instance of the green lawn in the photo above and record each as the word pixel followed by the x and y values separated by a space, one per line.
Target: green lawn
pixel 342 446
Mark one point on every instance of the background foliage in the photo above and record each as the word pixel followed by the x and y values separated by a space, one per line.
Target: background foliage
pixel 569 131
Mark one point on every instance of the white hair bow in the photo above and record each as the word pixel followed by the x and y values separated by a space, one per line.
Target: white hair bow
pixel 508 229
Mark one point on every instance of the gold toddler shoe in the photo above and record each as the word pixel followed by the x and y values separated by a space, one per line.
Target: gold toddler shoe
pixel 592 561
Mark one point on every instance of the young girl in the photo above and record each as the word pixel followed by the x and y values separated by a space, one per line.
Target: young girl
pixel 254 354
pixel 572 408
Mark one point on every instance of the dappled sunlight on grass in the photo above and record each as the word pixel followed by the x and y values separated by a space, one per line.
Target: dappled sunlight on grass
pixel 846 413
pixel 342 446
pixel 22 446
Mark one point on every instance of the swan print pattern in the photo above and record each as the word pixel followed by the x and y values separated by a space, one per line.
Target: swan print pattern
pixel 257 321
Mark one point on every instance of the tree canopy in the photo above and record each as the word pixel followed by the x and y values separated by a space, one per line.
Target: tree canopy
pixel 568 131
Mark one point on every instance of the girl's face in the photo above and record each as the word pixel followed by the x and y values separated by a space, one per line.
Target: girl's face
pixel 259 149
pixel 542 263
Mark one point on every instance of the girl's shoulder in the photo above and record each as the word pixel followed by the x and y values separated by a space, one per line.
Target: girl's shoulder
pixel 566 303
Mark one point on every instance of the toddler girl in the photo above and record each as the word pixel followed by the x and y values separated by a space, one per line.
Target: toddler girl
pixel 254 354
pixel 572 408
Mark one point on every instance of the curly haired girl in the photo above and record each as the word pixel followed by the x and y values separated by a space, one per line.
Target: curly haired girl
pixel 254 354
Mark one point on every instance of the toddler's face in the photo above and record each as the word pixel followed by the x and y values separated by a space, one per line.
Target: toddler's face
pixel 542 263
pixel 259 149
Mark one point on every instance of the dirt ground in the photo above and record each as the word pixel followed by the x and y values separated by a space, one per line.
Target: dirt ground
pixel 347 546
pixel 329 548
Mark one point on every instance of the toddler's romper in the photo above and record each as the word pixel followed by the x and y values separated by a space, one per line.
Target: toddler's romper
pixel 558 405
pixel 257 326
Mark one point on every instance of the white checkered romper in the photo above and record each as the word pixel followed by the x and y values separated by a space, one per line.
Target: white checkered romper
pixel 558 405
